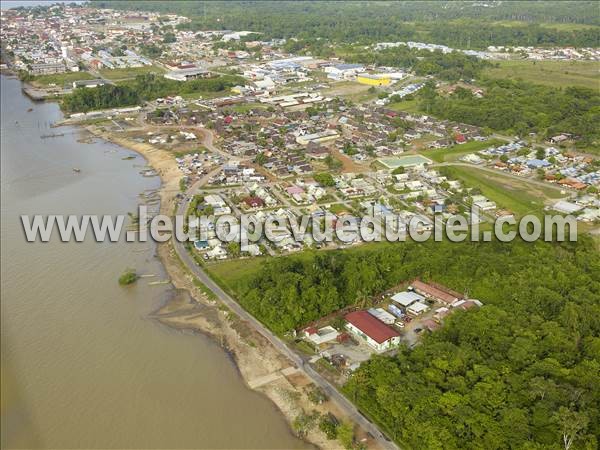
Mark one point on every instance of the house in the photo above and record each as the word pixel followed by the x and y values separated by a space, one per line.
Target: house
pixel 201 245
pixel 96 64
pixel 565 207
pixel 294 190
pixel 254 202
pixel 537 163
pixel 217 252
pixel 435 292
pixel 569 182
pixel 460 138
pixel 252 249
pixel 377 334
pixel 322 335
pixel 407 298
pixel 417 308
pixel 559 139
pixel 315 151
pixel 441 313
pixel 465 305
pixel 430 324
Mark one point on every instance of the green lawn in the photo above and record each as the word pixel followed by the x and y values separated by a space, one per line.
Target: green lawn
pixel 338 208
pixel 131 72
pixel 409 106
pixel 455 152
pixel 550 73
pixel 230 273
pixel 61 79
pixel 518 196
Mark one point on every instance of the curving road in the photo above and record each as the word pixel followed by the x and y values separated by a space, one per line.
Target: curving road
pixel 303 365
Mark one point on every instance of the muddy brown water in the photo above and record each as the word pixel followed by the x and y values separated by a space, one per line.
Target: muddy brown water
pixel 83 365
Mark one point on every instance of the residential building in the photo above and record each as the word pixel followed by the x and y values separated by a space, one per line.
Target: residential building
pixel 321 335
pixel 377 334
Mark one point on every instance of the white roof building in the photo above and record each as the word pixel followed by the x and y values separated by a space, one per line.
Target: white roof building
pixel 417 308
pixel 565 207
pixel 322 335
pixel 407 298
pixel 383 315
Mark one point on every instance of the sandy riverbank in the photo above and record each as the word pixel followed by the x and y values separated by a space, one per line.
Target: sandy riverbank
pixel 262 367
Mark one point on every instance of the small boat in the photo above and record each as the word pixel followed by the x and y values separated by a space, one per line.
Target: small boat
pixel 30 109
pixel 76 170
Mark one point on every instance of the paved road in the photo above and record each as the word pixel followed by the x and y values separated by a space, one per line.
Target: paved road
pixel 319 380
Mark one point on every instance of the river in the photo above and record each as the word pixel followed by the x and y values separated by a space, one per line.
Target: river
pixel 82 364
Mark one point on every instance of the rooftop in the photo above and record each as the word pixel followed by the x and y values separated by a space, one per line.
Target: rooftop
pixel 406 298
pixel 372 327
pixel 435 292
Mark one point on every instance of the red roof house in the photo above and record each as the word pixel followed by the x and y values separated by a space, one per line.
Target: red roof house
pixel 254 202
pixel 375 332
pixel 435 292
pixel 460 138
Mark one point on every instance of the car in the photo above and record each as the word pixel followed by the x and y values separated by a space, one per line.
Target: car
pixel 418 330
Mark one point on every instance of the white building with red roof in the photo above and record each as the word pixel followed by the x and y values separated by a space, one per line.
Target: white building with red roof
pixel 376 333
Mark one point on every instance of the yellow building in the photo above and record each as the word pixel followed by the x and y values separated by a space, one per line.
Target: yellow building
pixel 373 80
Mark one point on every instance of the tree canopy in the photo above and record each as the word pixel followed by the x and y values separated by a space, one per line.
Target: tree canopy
pixel 520 372
pixel 457 24
pixel 520 107
pixel 145 87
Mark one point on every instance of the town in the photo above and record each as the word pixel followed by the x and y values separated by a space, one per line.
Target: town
pixel 260 126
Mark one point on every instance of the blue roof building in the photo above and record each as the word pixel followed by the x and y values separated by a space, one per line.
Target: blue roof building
pixel 537 163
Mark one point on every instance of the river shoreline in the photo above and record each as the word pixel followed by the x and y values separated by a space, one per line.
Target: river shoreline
pixel 258 363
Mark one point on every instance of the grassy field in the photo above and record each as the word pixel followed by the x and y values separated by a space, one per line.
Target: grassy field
pixel 338 208
pixel 60 79
pixel 456 151
pixel 518 196
pixel 131 72
pixel 554 25
pixel 231 273
pixel 550 73
pixel 410 106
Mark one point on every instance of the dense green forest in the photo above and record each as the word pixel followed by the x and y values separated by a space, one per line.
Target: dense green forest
pixel 518 373
pixel 143 88
pixel 518 107
pixel 457 24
